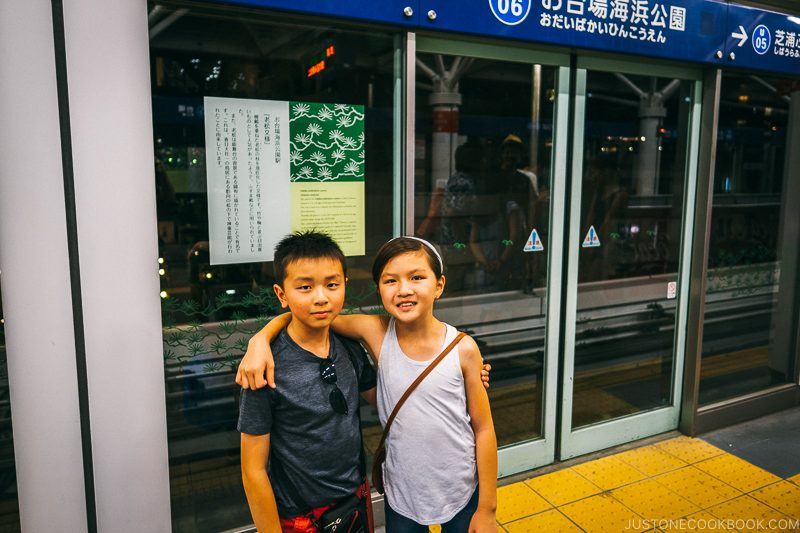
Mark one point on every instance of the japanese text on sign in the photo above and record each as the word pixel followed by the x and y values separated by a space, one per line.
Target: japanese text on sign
pixel 277 166
pixel 637 20
pixel 787 44
pixel 247 178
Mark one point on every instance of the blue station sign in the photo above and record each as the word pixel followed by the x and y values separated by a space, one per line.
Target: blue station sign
pixel 699 31
pixel 689 30
pixel 760 39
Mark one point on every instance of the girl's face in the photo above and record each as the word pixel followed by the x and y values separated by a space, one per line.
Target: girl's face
pixel 408 287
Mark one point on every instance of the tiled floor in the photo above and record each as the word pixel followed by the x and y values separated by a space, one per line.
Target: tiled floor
pixel 771 442
pixel 681 484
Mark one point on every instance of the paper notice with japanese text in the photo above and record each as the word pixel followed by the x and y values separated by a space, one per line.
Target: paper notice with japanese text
pixel 273 167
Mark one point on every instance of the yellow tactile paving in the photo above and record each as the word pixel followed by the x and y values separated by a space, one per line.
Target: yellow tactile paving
pixel 683 484
pixel 517 501
pixel 698 487
pixel 746 514
pixel 550 521
pixel 650 460
pixel 689 449
pixel 783 496
pixel 603 513
pixel 651 499
pixel 736 472
pixel 564 486
pixel 608 473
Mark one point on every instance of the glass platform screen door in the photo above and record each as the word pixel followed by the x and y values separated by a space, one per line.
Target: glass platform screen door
pixel 490 147
pixel 636 129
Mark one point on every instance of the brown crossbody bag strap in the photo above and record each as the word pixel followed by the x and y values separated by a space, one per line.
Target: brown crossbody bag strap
pixel 380 453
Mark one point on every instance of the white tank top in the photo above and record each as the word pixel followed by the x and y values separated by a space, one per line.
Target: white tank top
pixel 430 471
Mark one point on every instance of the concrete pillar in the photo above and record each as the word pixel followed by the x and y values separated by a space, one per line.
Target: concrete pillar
pixel 78 256
pixel 35 276
pixel 107 52
pixel 650 116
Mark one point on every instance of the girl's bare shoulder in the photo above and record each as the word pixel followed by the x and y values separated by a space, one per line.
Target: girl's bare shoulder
pixel 468 350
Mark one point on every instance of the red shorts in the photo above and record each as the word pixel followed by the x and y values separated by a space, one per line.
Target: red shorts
pixel 307 523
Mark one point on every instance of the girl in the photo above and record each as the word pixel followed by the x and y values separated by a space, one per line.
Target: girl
pixel 441 452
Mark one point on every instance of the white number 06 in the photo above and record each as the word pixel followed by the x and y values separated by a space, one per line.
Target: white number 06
pixel 515 6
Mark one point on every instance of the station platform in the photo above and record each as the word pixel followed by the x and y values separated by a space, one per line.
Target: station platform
pixel 741 478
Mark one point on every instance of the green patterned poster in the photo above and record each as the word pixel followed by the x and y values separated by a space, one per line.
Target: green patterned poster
pixel 327 171
pixel 327 142
pixel 276 166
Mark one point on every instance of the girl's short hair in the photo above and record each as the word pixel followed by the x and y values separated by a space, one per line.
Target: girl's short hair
pixel 400 246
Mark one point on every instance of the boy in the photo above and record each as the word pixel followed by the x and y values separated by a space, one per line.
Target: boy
pixel 307 428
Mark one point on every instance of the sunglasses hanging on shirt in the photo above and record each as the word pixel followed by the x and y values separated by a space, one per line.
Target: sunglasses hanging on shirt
pixel 327 371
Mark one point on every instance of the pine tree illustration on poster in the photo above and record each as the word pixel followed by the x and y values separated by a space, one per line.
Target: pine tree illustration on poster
pixel 326 142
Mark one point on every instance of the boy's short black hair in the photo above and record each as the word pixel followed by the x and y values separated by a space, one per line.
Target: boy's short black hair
pixel 305 245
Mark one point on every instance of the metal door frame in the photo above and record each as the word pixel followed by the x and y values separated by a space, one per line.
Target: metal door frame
pixel 530 454
pixel 628 428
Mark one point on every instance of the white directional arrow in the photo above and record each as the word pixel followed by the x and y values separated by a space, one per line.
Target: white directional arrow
pixel 742 36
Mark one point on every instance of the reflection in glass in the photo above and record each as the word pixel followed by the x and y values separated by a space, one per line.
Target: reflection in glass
pixel 9 502
pixel 635 139
pixel 747 344
pixel 483 152
pixel 210 311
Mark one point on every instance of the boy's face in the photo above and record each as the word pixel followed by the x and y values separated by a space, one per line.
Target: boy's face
pixel 313 290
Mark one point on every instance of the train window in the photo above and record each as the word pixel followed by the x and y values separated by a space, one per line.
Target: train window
pixel 210 310
pixel 752 260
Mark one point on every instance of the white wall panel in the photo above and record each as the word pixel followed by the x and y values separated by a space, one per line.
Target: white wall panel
pixel 109 90
pixel 34 262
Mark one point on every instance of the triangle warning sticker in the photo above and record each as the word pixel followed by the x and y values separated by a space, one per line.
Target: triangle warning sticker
pixel 591 240
pixel 534 243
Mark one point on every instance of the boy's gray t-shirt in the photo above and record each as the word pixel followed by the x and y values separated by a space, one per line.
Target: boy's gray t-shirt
pixel 312 448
